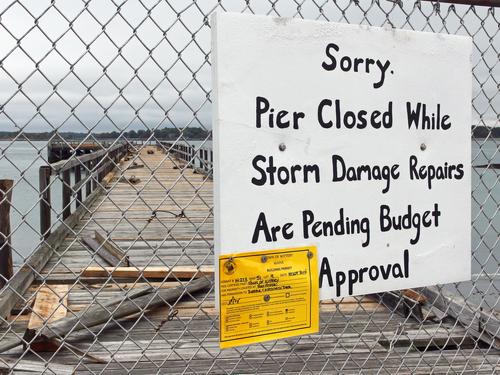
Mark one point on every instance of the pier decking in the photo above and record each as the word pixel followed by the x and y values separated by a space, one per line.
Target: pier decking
pixel 164 223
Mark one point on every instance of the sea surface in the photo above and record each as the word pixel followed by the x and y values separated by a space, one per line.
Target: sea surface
pixel 20 161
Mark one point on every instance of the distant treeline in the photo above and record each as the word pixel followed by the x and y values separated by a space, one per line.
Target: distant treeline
pixel 192 134
pixel 170 134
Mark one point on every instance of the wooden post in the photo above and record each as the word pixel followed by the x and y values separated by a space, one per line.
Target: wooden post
pixel 99 165
pixel 192 156
pixel 78 177
pixel 94 178
pixel 45 203
pixel 6 269
pixel 105 170
pixel 88 176
pixel 106 164
pixel 66 193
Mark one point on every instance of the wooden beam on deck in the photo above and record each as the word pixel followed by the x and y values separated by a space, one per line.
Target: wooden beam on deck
pixel 483 325
pixel 35 367
pixel 404 303
pixel 106 250
pixel 134 165
pixel 150 272
pixel 51 304
pixel 100 314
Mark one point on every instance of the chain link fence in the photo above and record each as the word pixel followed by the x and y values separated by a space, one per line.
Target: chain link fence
pixel 105 133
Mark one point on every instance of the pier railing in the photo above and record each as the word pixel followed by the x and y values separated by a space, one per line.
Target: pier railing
pixel 80 177
pixel 200 158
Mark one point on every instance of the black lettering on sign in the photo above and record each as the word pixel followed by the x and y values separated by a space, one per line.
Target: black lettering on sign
pixel 271 233
pixel 341 172
pixel 409 220
pixel 344 225
pixel 356 64
pixel 354 276
pixel 418 117
pixel 430 172
pixel 333 114
pixel 325 271
pixel 266 116
pixel 271 174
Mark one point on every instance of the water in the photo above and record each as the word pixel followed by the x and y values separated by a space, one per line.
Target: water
pixel 485 206
pixel 20 161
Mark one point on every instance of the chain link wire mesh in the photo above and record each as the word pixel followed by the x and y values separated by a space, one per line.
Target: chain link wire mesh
pixel 132 78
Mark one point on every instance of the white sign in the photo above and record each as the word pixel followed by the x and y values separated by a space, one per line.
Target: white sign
pixel 351 138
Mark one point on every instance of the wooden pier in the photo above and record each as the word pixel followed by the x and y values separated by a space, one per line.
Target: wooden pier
pixel 58 150
pixel 158 212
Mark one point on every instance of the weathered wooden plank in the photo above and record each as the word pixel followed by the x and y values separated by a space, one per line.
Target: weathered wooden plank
pixel 106 250
pixel 400 304
pixel 179 272
pixel 50 305
pixel 98 315
pixel 269 365
pixel 73 264
pixel 414 295
pixel 484 325
pixel 81 297
pixel 98 249
pixel 111 248
pixel 38 367
pixel 134 165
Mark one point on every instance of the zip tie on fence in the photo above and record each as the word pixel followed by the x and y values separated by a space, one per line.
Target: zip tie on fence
pixel 171 315
pixel 154 214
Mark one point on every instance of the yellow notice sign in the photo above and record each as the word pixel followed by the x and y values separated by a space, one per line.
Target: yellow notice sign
pixel 268 295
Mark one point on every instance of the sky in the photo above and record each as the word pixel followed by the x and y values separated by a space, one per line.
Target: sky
pixel 107 65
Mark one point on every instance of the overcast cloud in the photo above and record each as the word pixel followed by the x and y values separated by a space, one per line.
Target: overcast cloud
pixel 106 65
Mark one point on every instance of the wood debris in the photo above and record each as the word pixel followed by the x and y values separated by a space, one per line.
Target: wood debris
pixel 130 180
pixel 135 165
pixel 97 314
pixel 150 272
pixel 102 246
